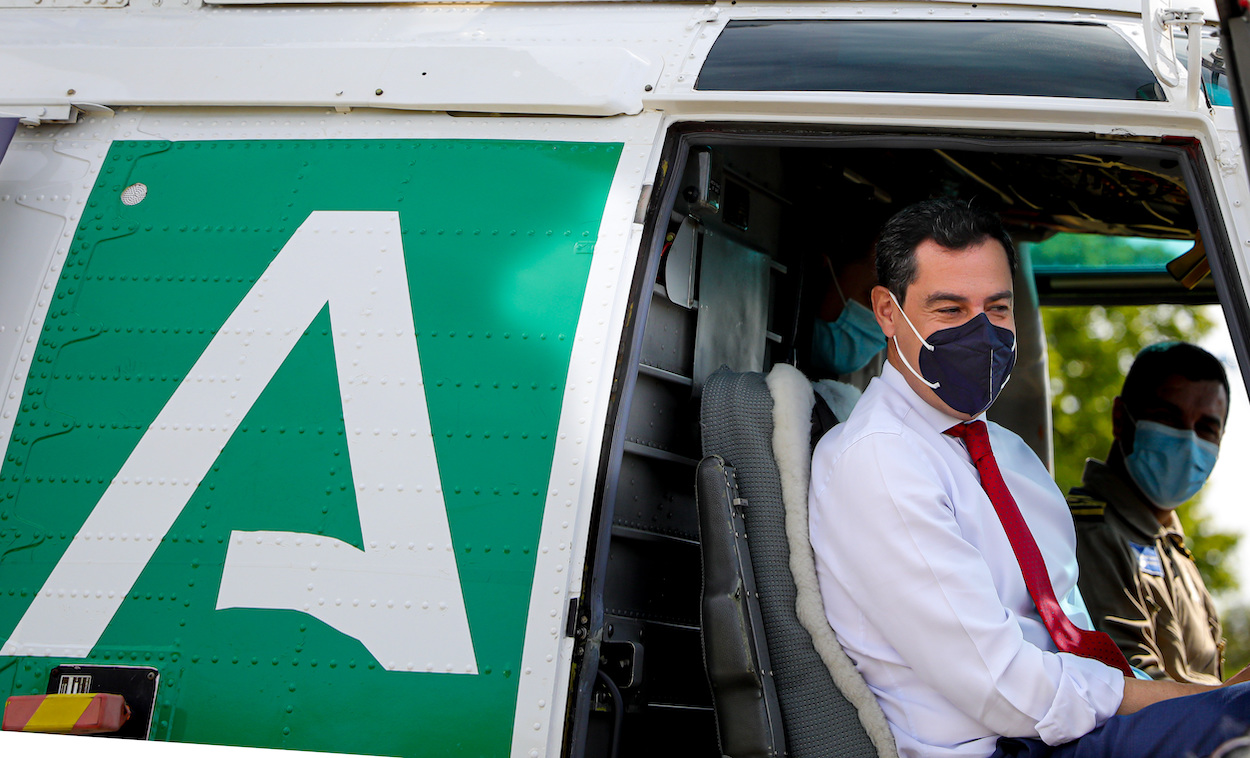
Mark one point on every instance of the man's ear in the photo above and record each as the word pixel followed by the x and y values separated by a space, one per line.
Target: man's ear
pixel 883 308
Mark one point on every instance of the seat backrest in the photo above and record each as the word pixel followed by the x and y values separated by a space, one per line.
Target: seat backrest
pixel 825 707
pixel 734 652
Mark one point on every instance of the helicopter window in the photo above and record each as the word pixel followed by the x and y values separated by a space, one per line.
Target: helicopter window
pixel 956 57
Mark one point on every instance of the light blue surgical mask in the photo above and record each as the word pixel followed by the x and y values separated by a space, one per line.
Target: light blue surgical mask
pixel 850 341
pixel 1169 465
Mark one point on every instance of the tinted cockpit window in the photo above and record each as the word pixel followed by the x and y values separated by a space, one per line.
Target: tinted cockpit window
pixel 1095 252
pixel 951 57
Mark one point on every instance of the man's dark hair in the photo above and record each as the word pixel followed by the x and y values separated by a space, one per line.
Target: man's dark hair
pixel 953 224
pixel 1155 363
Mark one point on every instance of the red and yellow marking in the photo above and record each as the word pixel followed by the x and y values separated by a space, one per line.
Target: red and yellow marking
pixel 89 713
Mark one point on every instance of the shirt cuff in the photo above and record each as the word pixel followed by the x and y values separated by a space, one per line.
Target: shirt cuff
pixel 1089 693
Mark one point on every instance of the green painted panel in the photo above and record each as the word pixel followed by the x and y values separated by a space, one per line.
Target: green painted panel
pixel 496 239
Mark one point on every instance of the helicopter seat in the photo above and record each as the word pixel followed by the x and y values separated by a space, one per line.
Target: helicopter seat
pixel 781 683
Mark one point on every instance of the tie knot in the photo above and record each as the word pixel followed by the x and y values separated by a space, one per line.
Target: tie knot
pixel 975 436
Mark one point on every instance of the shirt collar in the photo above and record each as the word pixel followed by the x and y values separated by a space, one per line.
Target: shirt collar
pixel 939 420
pixel 1120 495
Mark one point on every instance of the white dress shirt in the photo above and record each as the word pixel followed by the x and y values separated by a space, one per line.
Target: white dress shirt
pixel 925 593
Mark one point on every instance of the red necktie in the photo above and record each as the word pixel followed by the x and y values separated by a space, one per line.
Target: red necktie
pixel 1068 637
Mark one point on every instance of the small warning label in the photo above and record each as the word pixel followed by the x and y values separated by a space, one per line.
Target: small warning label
pixel 74 684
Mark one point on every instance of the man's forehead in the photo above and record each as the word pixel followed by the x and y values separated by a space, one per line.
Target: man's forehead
pixel 1176 387
pixel 975 255
pixel 1177 394
pixel 974 272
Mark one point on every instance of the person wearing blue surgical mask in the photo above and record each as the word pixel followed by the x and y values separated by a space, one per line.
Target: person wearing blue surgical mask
pixel 847 342
pixel 847 337
pixel 1138 579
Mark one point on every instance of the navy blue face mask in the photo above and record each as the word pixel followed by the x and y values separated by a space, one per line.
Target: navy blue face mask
pixel 966 366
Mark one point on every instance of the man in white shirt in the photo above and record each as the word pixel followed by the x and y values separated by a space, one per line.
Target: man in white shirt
pixel 920 579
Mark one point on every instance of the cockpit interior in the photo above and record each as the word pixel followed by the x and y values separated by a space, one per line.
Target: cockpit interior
pixel 744 227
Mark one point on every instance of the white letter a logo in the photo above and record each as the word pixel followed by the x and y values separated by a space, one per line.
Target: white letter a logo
pixel 401 595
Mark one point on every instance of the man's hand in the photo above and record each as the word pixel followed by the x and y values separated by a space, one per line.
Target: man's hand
pixel 1139 693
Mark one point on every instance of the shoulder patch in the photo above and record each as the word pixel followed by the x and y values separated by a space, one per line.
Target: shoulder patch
pixel 1086 508
pixel 1147 559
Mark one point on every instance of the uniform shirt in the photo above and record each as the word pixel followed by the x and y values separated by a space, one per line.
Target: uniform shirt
pixel 1140 582
pixel 924 592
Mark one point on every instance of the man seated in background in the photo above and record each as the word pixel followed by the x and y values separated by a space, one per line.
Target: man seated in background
pixel 1139 581
pixel 847 343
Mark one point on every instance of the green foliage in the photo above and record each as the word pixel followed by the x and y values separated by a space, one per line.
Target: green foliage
pixel 1236 621
pixel 1211 548
pixel 1090 350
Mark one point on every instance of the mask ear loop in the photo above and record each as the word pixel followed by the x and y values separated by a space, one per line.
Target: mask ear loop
pixel 1014 342
pixel 834 277
pixel 926 382
pixel 1120 443
pixel 1124 454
